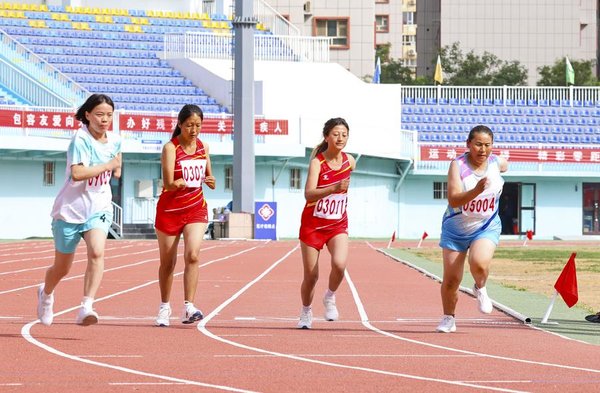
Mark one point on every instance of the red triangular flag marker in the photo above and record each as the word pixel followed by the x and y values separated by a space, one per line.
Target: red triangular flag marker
pixel 530 234
pixel 424 235
pixel 392 239
pixel 566 284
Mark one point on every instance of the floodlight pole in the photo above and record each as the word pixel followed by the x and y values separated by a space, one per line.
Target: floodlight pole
pixel 243 107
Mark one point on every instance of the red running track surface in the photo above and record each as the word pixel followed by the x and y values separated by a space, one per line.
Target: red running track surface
pixel 249 291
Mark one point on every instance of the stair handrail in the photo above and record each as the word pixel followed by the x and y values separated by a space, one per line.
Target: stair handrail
pixel 117 222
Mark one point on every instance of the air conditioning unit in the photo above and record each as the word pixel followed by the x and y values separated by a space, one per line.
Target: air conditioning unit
pixel 158 186
pixel 144 189
pixel 411 2
pixel 411 53
pixel 307 9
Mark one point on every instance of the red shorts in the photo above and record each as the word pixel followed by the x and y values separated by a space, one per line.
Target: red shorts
pixel 317 238
pixel 173 223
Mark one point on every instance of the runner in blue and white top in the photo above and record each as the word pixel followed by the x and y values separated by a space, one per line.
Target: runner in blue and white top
pixel 471 223
pixel 83 206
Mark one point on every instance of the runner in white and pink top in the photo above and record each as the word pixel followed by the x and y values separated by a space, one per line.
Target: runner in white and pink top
pixel 83 208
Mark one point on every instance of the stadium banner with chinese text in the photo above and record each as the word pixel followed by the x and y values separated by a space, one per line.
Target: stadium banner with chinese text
pixel 538 153
pixel 56 119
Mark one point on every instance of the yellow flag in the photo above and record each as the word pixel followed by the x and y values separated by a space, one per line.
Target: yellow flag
pixel 438 77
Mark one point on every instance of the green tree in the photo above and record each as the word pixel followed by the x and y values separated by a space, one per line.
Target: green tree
pixel 555 75
pixel 392 71
pixel 479 70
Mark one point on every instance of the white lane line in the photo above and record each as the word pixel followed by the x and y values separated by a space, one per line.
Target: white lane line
pixel 145 383
pixel 367 324
pixel 78 261
pixel 202 328
pixel 26 333
pixel 346 355
pixel 109 356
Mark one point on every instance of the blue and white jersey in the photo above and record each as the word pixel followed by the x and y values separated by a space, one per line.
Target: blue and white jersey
pixel 78 200
pixel 481 211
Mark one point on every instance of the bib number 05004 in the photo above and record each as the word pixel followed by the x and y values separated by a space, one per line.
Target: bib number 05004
pixel 480 207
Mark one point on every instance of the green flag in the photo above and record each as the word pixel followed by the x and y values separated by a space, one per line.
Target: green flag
pixel 570 72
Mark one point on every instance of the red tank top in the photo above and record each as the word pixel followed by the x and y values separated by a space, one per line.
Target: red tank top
pixel 182 199
pixel 329 210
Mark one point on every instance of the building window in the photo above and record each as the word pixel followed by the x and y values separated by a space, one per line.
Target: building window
pixel 440 190
pixel 382 23
pixel 408 18
pixel 228 177
pixel 336 29
pixel 295 179
pixel 382 1
pixel 49 173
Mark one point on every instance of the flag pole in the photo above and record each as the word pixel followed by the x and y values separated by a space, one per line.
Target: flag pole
pixel 525 242
pixel 389 243
pixel 549 310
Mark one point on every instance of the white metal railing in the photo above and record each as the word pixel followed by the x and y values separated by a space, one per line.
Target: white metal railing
pixel 273 20
pixel 41 71
pixel 266 47
pixel 117 223
pixel 143 210
pixel 505 94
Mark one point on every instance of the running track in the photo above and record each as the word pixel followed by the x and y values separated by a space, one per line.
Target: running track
pixel 249 292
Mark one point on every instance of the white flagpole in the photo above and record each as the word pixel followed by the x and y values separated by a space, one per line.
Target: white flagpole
pixel 525 242
pixel 389 243
pixel 420 241
pixel 549 310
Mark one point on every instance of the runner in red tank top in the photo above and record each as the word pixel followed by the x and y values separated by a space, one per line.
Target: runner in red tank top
pixel 182 209
pixel 324 219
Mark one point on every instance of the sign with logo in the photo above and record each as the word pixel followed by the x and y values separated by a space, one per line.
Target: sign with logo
pixel 265 220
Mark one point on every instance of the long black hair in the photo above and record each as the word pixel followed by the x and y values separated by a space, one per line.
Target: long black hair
pixel 93 101
pixel 185 113
pixel 329 125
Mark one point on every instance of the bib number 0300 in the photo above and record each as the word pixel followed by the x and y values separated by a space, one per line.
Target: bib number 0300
pixel 332 207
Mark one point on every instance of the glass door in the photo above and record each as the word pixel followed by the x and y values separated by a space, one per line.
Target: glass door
pixel 591 208
pixel 526 207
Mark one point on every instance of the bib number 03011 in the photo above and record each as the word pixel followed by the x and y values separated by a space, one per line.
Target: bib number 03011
pixel 332 207
pixel 192 172
pixel 480 207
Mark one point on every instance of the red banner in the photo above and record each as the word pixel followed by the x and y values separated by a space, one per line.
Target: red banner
pixel 131 122
pixel 38 119
pixel 557 154
pixel 153 123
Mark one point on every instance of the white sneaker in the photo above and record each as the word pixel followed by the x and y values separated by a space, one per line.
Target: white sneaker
pixel 86 317
pixel 191 314
pixel 44 308
pixel 447 325
pixel 331 311
pixel 164 312
pixel 485 303
pixel 305 320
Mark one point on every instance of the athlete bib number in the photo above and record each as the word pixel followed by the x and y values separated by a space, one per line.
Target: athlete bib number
pixel 193 172
pixel 99 183
pixel 481 207
pixel 332 207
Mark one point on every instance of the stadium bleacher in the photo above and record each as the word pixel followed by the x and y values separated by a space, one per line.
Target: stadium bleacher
pixel 114 51
pixel 513 121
